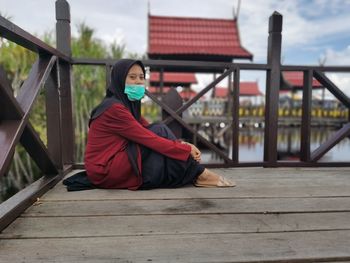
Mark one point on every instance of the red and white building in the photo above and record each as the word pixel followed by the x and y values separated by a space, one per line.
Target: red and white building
pixel 197 39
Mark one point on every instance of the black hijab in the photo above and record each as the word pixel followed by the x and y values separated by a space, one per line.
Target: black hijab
pixel 115 90
pixel 115 94
pixel 117 86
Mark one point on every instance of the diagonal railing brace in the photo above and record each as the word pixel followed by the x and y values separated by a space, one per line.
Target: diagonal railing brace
pixel 188 127
pixel 330 143
pixel 199 95
pixel 15 126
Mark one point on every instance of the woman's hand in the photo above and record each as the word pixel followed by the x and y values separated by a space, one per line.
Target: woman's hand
pixel 195 153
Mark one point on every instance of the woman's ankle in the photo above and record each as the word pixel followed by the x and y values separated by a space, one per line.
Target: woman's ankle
pixel 207 175
pixel 204 174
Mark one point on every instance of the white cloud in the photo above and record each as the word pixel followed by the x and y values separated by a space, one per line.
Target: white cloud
pixel 299 31
pixel 306 23
pixel 254 25
pixel 342 81
pixel 333 7
pixel 341 57
pixel 337 58
pixel 118 36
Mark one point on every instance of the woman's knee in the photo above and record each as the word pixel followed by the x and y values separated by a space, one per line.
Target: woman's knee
pixel 162 130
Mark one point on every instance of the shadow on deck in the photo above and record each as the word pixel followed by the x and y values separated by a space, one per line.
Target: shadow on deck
pixel 283 214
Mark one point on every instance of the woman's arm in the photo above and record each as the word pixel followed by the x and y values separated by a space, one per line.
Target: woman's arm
pixel 118 120
pixel 144 122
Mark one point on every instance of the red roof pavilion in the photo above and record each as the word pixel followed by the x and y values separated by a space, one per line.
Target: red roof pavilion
pixel 156 90
pixel 194 39
pixel 173 79
pixel 245 89
pixel 294 80
pixel 187 94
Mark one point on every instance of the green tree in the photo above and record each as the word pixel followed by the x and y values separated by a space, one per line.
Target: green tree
pixel 17 61
pixel 89 83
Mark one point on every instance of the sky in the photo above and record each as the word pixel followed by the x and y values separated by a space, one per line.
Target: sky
pixel 314 31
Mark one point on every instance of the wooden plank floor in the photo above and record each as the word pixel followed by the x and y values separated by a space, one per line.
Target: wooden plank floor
pixel 281 214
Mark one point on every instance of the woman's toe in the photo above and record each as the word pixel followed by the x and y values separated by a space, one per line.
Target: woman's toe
pixel 225 182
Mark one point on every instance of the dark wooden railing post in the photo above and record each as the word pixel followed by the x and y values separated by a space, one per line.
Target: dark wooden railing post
pixel 174 101
pixel 108 74
pixel 63 39
pixel 235 116
pixel 53 119
pixel 272 89
pixel 161 83
pixel 305 135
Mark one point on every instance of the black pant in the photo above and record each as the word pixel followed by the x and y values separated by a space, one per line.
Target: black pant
pixel 159 171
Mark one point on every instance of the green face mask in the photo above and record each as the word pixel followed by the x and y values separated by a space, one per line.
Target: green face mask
pixel 134 92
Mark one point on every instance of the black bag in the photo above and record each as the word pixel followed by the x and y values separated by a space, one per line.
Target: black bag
pixel 78 182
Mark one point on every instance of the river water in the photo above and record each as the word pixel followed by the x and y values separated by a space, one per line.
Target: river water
pixel 251 145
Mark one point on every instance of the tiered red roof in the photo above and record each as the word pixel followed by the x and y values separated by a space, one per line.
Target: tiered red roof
pixel 174 79
pixel 156 90
pixel 294 79
pixel 245 89
pixel 195 38
pixel 187 94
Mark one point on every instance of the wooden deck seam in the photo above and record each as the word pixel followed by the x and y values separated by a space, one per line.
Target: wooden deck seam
pixel 206 213
pixel 291 260
pixel 192 198
pixel 182 234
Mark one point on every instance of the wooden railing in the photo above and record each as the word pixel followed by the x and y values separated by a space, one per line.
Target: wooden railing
pixel 53 70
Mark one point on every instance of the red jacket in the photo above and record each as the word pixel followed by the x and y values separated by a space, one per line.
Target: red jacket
pixel 106 160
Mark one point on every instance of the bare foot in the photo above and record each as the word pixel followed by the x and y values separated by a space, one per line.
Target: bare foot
pixel 211 179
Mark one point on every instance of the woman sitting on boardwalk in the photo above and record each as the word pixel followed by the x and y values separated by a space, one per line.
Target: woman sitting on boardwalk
pixel 124 151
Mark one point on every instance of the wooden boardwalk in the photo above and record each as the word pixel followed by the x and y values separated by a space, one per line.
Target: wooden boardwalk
pixel 282 215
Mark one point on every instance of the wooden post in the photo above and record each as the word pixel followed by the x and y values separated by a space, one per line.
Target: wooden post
pixel 306 117
pixel 63 39
pixel 273 79
pixel 53 119
pixel 174 101
pixel 213 91
pixel 228 108
pixel 235 116
pixel 108 74
pixel 161 83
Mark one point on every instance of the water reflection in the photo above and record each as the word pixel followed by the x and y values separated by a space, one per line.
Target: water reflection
pixel 251 145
